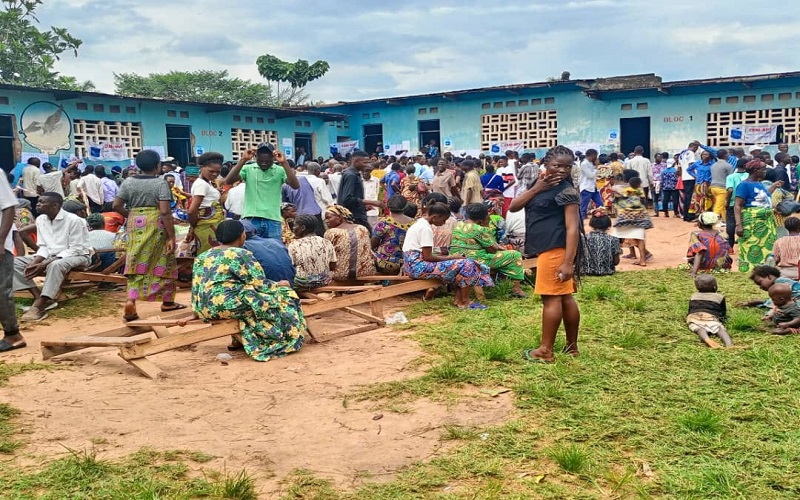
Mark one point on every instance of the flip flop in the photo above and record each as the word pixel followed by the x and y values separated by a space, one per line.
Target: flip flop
pixel 33 315
pixel 48 308
pixel 5 346
pixel 478 306
pixel 628 256
pixel 637 263
pixel 173 307
pixel 535 359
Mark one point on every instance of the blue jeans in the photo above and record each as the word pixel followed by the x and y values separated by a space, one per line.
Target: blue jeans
pixel 586 197
pixel 267 228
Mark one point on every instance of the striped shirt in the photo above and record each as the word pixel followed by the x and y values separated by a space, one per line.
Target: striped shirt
pixel 787 250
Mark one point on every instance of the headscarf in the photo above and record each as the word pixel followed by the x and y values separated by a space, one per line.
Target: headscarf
pixel 708 218
pixel 754 164
pixel 599 212
pixel 340 211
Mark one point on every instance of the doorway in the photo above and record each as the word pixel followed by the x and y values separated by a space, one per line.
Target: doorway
pixel 635 132
pixel 303 141
pixel 179 143
pixel 373 138
pixel 429 131
pixel 7 163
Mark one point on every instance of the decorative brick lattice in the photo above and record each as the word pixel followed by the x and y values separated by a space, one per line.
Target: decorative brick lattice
pixel 719 124
pixel 243 139
pixel 86 131
pixel 539 129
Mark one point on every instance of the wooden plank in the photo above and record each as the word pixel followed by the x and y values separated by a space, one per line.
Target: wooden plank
pixel 90 341
pixel 376 306
pixel 367 297
pixel 148 368
pixel 384 278
pixel 346 288
pixel 97 277
pixel 529 263
pixel 348 332
pixel 177 340
pixel 166 319
pixel 160 331
pixel 374 319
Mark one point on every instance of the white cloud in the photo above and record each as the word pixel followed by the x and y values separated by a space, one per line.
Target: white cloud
pixel 382 49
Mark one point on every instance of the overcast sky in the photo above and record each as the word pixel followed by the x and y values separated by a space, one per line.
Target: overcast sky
pixel 401 47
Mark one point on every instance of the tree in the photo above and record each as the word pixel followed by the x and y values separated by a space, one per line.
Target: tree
pixel 197 86
pixel 27 55
pixel 297 75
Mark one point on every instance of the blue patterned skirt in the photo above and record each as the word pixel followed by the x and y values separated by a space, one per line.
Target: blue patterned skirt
pixel 460 272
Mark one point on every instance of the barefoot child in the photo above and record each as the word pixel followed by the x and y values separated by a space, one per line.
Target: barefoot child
pixel 553 234
pixel 707 311
pixel 765 277
pixel 785 313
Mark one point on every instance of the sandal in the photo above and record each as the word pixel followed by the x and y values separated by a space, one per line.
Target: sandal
pixel 5 346
pixel 130 317
pixel 48 308
pixel 172 306
pixel 33 315
pixel 536 359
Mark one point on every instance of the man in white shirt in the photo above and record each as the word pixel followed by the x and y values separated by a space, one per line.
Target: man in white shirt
pixel 643 168
pixel 509 175
pixel 8 318
pixel 371 186
pixel 335 180
pixel 51 180
pixel 62 239
pixel 588 183
pixel 686 158
pixel 91 189
pixel 234 203
pixel 322 194
pixel 28 181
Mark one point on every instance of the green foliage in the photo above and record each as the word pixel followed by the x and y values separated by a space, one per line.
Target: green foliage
pixel 196 86
pixel 28 54
pixel 297 75
pixel 572 458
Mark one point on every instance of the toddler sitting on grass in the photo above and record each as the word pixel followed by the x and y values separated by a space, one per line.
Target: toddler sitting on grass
pixel 707 311
pixel 785 313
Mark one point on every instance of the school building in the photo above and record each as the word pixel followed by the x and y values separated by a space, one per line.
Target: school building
pixel 609 114
pixel 111 130
pixel 616 113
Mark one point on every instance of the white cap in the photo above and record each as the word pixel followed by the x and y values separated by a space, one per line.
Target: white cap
pixel 754 148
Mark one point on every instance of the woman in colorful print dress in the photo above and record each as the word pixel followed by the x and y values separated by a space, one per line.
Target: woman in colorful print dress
pixel 352 244
pixel 229 283
pixel 388 236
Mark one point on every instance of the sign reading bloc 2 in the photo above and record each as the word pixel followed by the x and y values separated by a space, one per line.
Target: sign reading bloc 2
pixel 754 134
pixel 343 148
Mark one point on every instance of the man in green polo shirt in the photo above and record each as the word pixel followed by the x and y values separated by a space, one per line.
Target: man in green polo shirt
pixel 263 182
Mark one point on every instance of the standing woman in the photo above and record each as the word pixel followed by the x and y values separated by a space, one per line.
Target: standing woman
pixel 701 170
pixel 205 211
pixel 144 199
pixel 755 221
pixel 553 234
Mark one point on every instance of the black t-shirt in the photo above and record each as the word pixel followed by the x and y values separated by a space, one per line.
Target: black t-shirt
pixel 545 226
pixel 351 194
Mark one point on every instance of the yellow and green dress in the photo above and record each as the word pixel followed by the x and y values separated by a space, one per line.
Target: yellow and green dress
pixel 473 240
pixel 229 283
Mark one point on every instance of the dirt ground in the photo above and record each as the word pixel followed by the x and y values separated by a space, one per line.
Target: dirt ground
pixel 271 417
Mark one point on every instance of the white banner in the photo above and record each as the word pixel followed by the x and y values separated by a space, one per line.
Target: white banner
pixel 500 148
pixel 158 149
pixel 754 134
pixel 110 151
pixel 342 148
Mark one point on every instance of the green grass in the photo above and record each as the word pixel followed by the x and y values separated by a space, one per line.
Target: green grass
pixel 646 411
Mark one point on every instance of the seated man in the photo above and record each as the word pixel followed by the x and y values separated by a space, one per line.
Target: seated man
pixel 100 239
pixel 62 239
pixel 270 253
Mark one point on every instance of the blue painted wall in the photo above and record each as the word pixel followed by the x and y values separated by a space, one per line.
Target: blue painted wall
pixel 676 118
pixel 212 130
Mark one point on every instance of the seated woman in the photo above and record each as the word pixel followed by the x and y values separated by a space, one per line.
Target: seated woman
pixel 442 235
pixel 229 283
pixel 474 238
pixel 601 253
pixel 708 250
pixel 288 213
pixel 787 249
pixel 352 244
pixel 313 257
pixel 388 236
pixel 419 262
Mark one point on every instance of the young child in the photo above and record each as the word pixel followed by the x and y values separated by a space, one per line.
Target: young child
pixel 785 313
pixel 179 194
pixel 787 249
pixel 765 277
pixel 553 234
pixel 602 250
pixel 707 311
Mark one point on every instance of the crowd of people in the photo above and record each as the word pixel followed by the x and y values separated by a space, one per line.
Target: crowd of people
pixel 251 234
